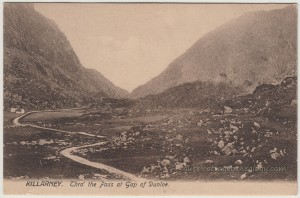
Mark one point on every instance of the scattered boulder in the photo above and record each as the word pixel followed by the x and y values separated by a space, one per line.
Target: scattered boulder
pixel 209 162
pixel 227 110
pixel 253 150
pixel 234 128
pixel 238 162
pixel 243 152
pixel 170 157
pixel 186 160
pixel 200 123
pixel 209 132
pixel 228 149
pixel 256 125
pixel 179 137
pixel 179 166
pixel 275 155
pixel 259 165
pixel 243 176
pixel 221 144
pixel 294 103
pixel 165 162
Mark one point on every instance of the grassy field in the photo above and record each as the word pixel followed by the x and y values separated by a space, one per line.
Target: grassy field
pixel 34 153
pixel 49 115
pixel 75 122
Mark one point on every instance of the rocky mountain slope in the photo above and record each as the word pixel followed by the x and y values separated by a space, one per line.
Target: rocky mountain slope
pixel 267 100
pixel 41 70
pixel 191 95
pixel 274 101
pixel 256 48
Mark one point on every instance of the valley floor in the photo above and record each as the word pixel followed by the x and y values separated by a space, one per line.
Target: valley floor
pixel 182 144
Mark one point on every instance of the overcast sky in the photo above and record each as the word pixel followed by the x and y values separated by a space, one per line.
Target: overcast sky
pixel 132 43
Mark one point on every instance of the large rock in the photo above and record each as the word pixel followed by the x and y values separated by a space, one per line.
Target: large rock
pixel 227 110
pixel 228 149
pixel 221 144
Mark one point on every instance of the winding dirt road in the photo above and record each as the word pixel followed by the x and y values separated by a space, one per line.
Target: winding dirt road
pixel 68 152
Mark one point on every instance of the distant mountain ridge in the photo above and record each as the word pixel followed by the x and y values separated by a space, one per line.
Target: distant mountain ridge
pixel 41 69
pixel 256 48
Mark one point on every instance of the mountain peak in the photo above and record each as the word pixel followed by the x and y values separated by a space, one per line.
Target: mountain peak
pixel 41 69
pixel 257 47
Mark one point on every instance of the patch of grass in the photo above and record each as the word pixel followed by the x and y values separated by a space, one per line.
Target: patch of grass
pixel 132 165
pixel 27 163
pixel 48 115
pixel 8 117
pixel 23 158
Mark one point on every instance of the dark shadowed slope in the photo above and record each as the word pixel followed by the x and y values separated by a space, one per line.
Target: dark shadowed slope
pixel 258 47
pixel 191 95
pixel 41 70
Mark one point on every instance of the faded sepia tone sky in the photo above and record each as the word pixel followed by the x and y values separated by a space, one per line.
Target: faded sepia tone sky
pixel 132 43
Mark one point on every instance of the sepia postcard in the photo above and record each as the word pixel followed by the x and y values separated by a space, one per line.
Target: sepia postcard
pixel 149 99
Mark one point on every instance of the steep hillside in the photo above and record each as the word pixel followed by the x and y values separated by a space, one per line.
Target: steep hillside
pixel 256 48
pixel 268 98
pixel 191 95
pixel 41 70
